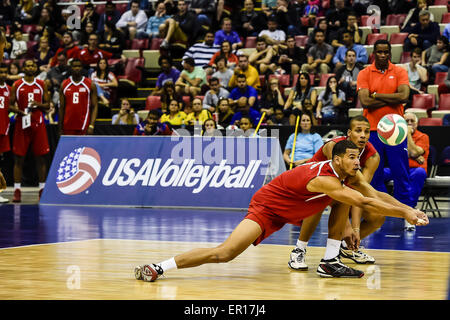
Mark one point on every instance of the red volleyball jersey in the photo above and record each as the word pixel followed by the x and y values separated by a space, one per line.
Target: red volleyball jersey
pixel 368 151
pixel 77 96
pixel 286 196
pixel 28 92
pixel 5 92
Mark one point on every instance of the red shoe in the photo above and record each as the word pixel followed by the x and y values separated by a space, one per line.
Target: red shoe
pixel 17 196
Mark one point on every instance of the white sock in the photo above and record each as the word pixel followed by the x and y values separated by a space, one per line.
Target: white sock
pixel 302 244
pixel 332 249
pixel 344 244
pixel 168 264
pixel 41 185
pixel 16 186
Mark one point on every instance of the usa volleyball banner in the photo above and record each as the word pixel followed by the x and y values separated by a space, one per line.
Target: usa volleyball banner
pixel 210 172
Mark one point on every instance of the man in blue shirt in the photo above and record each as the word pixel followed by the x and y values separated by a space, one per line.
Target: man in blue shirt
pixel 424 34
pixel 227 34
pixel 339 57
pixel 245 99
pixel 168 73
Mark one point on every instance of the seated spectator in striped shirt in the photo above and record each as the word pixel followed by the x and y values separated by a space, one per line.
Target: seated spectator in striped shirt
pixel 214 94
pixel 226 33
pixel 198 115
pixel 154 22
pixel 191 79
pixel 243 93
pixel 203 52
pixel 169 73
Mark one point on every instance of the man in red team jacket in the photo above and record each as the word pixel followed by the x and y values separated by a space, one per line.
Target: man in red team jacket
pixel 5 92
pixel 291 197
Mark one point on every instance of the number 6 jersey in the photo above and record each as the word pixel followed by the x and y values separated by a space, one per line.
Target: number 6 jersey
pixel 77 97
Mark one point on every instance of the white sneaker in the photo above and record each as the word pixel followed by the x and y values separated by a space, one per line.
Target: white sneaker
pixel 298 259
pixel 3 200
pixel 409 226
pixel 357 256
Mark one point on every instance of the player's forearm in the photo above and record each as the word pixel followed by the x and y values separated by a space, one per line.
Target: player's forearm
pixel 382 208
pixel 384 197
pixel 356 214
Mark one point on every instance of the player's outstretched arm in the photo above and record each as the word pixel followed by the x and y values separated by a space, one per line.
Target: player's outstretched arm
pixel 335 190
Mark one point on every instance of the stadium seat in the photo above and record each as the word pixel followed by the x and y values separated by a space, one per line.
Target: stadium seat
pixel 121 7
pixel 373 37
pixel 262 81
pixel 440 3
pixel 29 28
pixel 396 52
pixel 132 74
pixel 424 101
pixel 151 59
pixel 156 43
pixel 444 101
pixel 139 44
pixel 364 19
pixel 186 101
pixel 365 32
pixel 395 19
pixel 324 78
pixel 406 57
pixel 152 102
pixel 389 30
pixel 250 42
pixel 446 18
pixel 398 38
pixel 430 122
pixel 283 80
pixel 301 41
pixel 440 77
pixel 438 12
pixel 132 53
pixel 100 8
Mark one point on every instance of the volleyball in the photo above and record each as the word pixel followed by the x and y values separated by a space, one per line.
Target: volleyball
pixel 392 129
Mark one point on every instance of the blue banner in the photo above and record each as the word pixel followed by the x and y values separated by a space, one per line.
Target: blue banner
pixel 210 172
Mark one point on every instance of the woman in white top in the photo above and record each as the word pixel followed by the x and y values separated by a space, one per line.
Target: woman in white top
pixel 126 114
pixel 105 80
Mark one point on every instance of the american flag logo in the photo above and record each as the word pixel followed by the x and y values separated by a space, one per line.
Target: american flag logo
pixel 78 170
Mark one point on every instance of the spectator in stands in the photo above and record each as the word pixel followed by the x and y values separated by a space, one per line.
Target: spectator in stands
pixel 191 79
pixel 14 73
pixel 223 73
pixel 90 15
pixel 168 94
pixel 418 151
pixel 347 40
pixel 337 15
pixel 110 14
pixel 69 48
pixel 412 18
pixel 243 109
pixel 155 21
pixel 180 28
pixel 416 73
pixel 19 46
pixel 27 12
pixel 244 94
pixel 308 108
pixel 105 81
pixel 56 75
pixel 92 54
pixel 445 86
pixel 175 116
pixel 319 55
pixel 330 107
pixel 133 22
pixel 42 55
pixel 278 118
pixel 302 90
pixel 126 114
pixel 263 57
pixel 225 112
pixel 169 73
pixel 210 129
pixel 225 50
pixel 347 75
pixel 203 52
pixel 54 40
pixel 112 40
pixel 271 98
pixel 321 25
pixel 226 33
pixel 352 28
pixel 287 16
pixel 89 29
pixel 45 19
pixel 272 35
pixel 7 12
pixel 214 94
pixel 436 58
pixel 250 72
pixel 291 57
pixel 268 6
pixel 204 10
pixel 249 23
pixel 246 125
pixel 424 34
pixel 151 126
pixel 306 143
pixel 198 115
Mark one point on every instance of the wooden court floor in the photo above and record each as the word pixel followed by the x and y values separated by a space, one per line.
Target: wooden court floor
pixel 103 269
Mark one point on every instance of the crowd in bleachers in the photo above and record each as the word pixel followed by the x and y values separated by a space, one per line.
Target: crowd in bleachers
pixel 279 58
